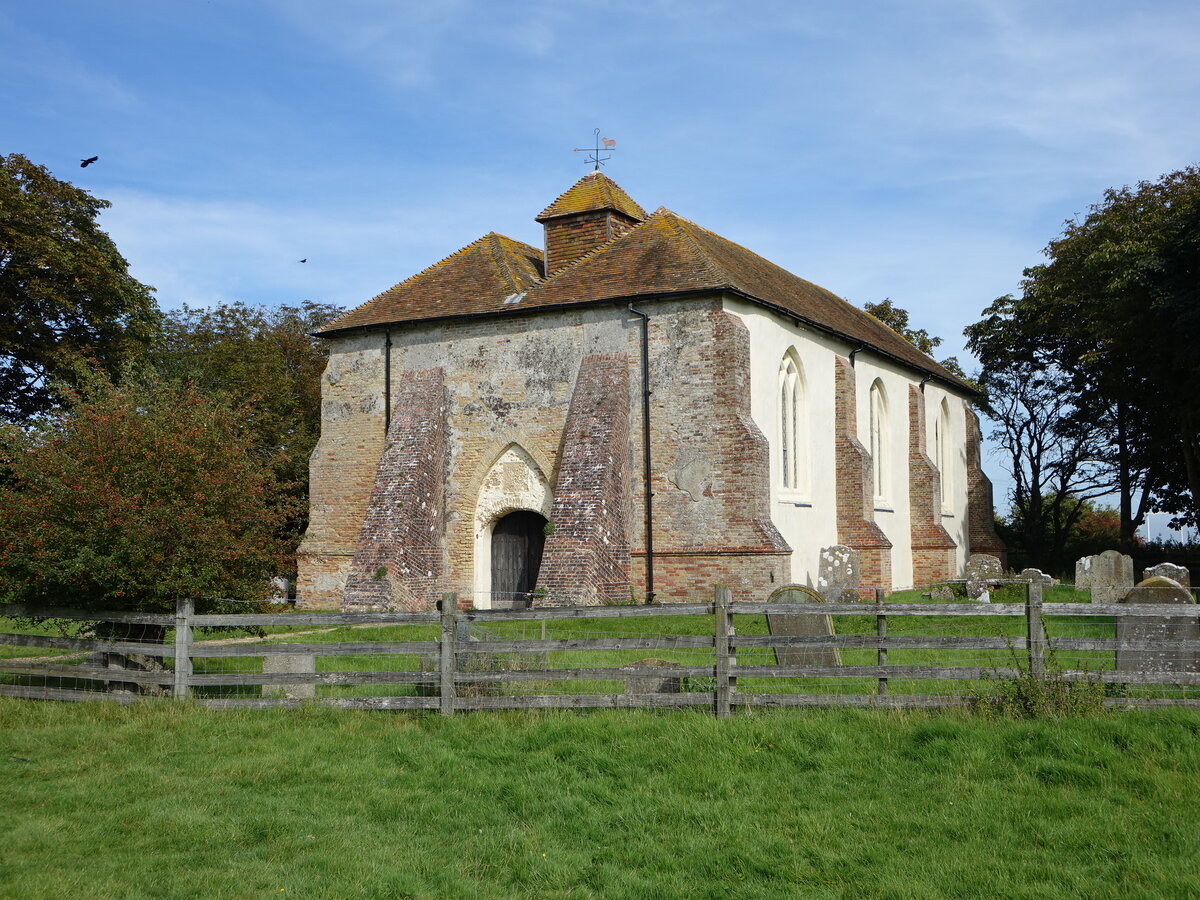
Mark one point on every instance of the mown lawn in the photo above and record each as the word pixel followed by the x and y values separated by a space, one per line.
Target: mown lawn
pixel 171 800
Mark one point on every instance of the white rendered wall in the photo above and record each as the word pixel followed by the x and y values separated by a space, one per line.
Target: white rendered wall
pixel 808 519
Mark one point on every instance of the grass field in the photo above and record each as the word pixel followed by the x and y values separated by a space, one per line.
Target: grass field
pixel 170 800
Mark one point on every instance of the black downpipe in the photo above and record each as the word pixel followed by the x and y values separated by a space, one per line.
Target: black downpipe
pixel 387 381
pixel 646 452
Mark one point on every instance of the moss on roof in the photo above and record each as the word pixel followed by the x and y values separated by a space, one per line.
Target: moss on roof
pixel 594 191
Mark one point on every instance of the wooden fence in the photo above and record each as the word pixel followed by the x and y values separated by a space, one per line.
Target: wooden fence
pixel 437 675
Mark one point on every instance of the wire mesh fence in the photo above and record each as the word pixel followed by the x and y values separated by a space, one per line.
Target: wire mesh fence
pixel 722 653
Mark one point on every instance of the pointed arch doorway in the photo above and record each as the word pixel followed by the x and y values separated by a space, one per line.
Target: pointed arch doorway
pixel 517 542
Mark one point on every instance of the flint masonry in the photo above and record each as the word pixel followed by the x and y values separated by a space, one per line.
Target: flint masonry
pixel 482 427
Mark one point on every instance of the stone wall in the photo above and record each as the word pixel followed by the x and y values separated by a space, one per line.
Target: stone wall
pixel 342 467
pixel 933 550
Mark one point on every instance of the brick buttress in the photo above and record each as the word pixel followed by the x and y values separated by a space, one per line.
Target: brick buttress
pixel 932 548
pixel 400 559
pixel 586 557
pixel 856 486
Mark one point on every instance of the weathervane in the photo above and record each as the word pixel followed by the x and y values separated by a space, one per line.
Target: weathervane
pixel 595 157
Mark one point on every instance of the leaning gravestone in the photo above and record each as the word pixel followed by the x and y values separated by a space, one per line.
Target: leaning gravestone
pixel 1178 574
pixel 652 684
pixel 1034 576
pixel 981 570
pixel 1108 575
pixel 813 624
pixel 838 574
pixel 1158 590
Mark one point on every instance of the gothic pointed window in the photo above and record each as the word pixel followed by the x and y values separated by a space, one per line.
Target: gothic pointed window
pixel 942 456
pixel 879 442
pixel 792 432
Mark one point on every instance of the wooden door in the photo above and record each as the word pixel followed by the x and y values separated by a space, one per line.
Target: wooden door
pixel 517 542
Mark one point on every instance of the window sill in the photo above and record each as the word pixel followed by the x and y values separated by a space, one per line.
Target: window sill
pixel 792 498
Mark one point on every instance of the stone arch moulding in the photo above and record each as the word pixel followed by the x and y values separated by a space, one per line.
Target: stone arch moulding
pixel 513 482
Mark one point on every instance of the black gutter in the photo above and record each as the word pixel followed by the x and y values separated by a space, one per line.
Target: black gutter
pixel 387 381
pixel 951 382
pixel 649 491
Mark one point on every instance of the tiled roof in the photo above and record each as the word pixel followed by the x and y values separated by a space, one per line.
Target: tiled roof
pixel 594 191
pixel 664 254
pixel 478 277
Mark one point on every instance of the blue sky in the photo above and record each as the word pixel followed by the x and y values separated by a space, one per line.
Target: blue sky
pixel 923 151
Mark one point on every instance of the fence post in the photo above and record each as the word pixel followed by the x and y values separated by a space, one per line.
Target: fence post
pixel 449 609
pixel 184 610
pixel 723 625
pixel 881 631
pixel 1035 634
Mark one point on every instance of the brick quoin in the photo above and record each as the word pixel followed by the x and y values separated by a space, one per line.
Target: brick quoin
pixel 400 557
pixel 586 558
pixel 981 526
pixel 932 548
pixel 856 487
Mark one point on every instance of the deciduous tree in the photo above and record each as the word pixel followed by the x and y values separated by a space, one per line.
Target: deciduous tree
pixel 67 301
pixel 132 497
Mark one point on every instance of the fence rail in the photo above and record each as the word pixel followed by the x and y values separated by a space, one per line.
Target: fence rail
pixel 726 655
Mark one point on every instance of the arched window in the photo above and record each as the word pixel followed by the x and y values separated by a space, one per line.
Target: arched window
pixel 792 431
pixel 941 448
pixel 879 441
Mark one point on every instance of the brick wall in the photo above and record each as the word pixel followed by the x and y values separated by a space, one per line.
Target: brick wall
pixel 570 237
pixel 400 559
pixel 980 522
pixel 933 550
pixel 586 558
pixel 855 486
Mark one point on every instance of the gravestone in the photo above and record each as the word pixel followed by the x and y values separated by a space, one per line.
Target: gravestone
pixel 1158 590
pixel 813 624
pixel 838 574
pixel 653 684
pixel 981 570
pixel 943 593
pixel 1035 576
pixel 1108 575
pixel 290 664
pixel 279 590
pixel 1178 574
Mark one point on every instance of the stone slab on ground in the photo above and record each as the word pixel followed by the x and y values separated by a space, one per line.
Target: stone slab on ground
pixel 1158 590
pixel 812 624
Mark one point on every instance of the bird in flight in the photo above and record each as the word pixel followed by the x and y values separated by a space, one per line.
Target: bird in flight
pixel 305 259
pixel 84 163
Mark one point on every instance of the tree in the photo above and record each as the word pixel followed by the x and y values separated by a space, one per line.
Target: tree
pixel 132 497
pixel 67 300
pixel 266 363
pixel 896 319
pixel 1116 310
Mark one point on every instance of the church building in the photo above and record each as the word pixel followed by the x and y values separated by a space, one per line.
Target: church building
pixel 637 407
